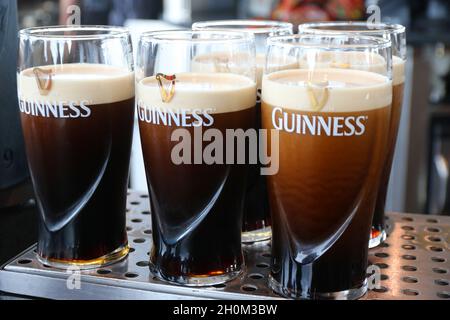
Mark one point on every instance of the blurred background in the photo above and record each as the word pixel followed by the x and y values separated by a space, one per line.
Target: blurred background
pixel 420 176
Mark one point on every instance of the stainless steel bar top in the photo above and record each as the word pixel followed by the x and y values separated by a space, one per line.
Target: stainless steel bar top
pixel 414 263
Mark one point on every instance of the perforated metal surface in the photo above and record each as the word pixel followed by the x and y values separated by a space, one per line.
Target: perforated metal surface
pixel 414 261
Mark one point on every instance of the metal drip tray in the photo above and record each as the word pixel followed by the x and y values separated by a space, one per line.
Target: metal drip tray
pixel 415 264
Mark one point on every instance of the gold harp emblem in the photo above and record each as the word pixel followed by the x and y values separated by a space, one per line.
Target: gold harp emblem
pixel 166 87
pixel 43 80
pixel 320 87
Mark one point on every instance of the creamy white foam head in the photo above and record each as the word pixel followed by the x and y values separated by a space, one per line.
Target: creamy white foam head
pixel 348 90
pixel 398 65
pixel 217 92
pixel 355 60
pixel 224 62
pixel 94 83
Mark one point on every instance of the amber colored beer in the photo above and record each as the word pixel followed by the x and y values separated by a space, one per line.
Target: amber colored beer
pixel 256 221
pixel 77 125
pixel 331 155
pixel 197 208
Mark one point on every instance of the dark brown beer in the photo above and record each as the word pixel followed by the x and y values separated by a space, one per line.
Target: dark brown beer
pixel 323 196
pixel 78 139
pixel 256 222
pixel 197 208
pixel 378 225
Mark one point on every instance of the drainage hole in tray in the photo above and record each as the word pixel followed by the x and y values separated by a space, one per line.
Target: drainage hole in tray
pixel 131 275
pixel 381 289
pixel 103 271
pixel 410 280
pixel 263 265
pixel 443 295
pixel 255 276
pixel 409 292
pixel 408 237
pixel 142 264
pixel 439 270
pixel 437 259
pixel 409 268
pixel 382 265
pixel 249 288
pixel 434 239
pixel 441 282
pixel 384 277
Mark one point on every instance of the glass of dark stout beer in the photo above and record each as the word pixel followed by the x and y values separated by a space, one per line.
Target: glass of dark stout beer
pixel 194 89
pixel 332 117
pixel 76 93
pixel 256 222
pixel 395 33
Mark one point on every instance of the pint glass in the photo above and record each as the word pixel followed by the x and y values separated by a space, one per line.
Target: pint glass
pixel 76 94
pixel 256 222
pixel 193 89
pixel 396 34
pixel 332 119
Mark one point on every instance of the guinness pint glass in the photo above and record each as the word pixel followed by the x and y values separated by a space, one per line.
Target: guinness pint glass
pixel 186 113
pixel 76 99
pixel 396 34
pixel 333 126
pixel 256 222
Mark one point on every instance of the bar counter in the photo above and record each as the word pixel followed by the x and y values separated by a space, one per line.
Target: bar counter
pixel 414 263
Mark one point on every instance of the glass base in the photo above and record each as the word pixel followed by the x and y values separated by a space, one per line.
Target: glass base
pixel 111 258
pixel 351 294
pixel 257 235
pixel 196 281
pixel 377 237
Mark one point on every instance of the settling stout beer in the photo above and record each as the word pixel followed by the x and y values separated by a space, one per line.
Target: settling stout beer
pixel 77 122
pixel 397 102
pixel 333 126
pixel 197 205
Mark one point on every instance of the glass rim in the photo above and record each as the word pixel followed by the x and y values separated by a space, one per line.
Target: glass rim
pixel 372 42
pixel 175 36
pixel 378 28
pixel 247 25
pixel 58 32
